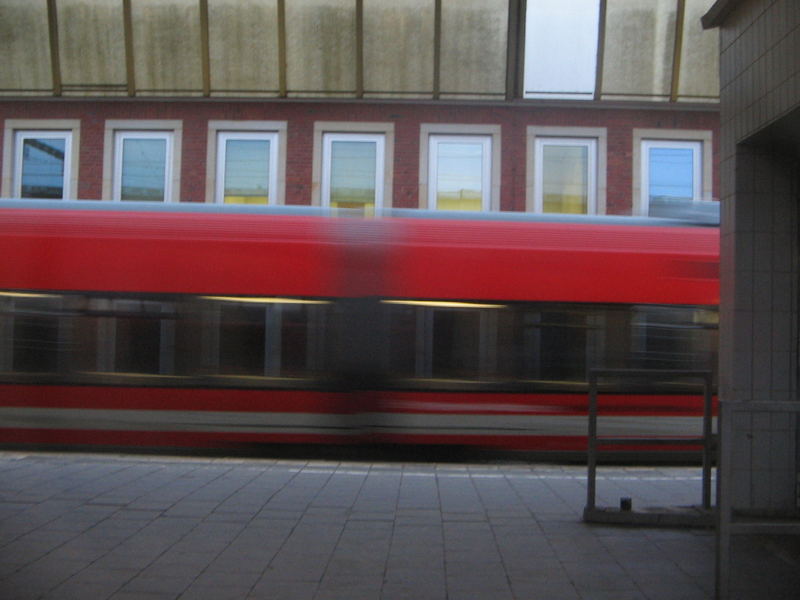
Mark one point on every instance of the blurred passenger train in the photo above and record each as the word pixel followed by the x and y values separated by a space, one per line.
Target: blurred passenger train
pixel 122 325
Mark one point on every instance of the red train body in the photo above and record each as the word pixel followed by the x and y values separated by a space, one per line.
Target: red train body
pixel 211 329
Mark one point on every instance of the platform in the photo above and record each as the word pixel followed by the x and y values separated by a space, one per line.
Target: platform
pixel 126 527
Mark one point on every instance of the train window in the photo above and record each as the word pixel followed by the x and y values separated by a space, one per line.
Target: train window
pixel 456 337
pixel 258 337
pixel 553 344
pixel 666 337
pixel 142 337
pixel 405 354
pixel 85 332
pixel 442 340
pixel 32 325
pixel 295 324
pixel 241 339
pixel 127 336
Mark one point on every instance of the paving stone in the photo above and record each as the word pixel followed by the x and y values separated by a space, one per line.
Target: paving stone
pixel 128 527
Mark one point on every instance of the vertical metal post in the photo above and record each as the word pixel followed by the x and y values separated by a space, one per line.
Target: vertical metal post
pixel 130 63
pixel 437 47
pixel 282 62
pixel 359 48
pixel 55 56
pixel 513 53
pixel 592 442
pixel 677 50
pixel 601 50
pixel 708 441
pixel 205 52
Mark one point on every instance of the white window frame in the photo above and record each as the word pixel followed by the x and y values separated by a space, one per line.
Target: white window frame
pixel 327 152
pixel 19 142
pixel 237 129
pixel 11 183
pixel 486 171
pixel 597 173
pixel 641 199
pixel 697 167
pixel 461 131
pixel 591 169
pixel 321 128
pixel 148 129
pixel 223 137
pixel 119 140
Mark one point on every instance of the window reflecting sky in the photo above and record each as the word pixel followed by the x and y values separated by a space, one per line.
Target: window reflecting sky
pixel 43 167
pixel 671 172
pixel 459 167
pixel 144 163
pixel 565 182
pixel 247 168
pixel 353 166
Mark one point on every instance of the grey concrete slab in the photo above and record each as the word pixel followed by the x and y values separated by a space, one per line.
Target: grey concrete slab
pixel 134 527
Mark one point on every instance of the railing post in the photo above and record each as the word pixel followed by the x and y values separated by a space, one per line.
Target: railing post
pixel 707 443
pixel 591 457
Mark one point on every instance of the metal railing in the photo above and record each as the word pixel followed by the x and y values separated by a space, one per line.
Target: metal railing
pixel 707 441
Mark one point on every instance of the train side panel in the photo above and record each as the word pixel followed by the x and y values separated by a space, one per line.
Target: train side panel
pixel 309 330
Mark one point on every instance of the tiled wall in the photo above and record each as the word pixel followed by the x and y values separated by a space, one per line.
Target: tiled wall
pixel 760 86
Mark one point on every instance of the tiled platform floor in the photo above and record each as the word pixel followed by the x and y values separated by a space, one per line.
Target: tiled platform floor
pixel 97 526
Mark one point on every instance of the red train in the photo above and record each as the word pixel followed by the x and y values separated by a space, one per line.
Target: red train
pixel 200 327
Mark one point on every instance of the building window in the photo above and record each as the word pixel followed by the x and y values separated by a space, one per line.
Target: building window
pixel 40 158
pixel 142 166
pixel 352 168
pixel 142 161
pixel 246 161
pixel 565 180
pixel 459 172
pixel 41 164
pixel 671 168
pixel 459 167
pixel 566 170
pixel 352 172
pixel 247 167
pixel 561 48
pixel 671 172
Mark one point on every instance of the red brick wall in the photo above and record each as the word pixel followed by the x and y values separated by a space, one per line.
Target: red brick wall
pixel 407 117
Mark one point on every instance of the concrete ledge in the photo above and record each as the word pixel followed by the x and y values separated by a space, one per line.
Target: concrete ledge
pixel 680 516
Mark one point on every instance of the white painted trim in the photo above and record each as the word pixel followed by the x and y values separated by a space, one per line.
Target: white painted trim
pixel 459 129
pixel 45 126
pixel 119 140
pixel 366 127
pixel 163 125
pixel 276 127
pixel 703 136
pixel 19 140
pixel 599 134
pixel 697 151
